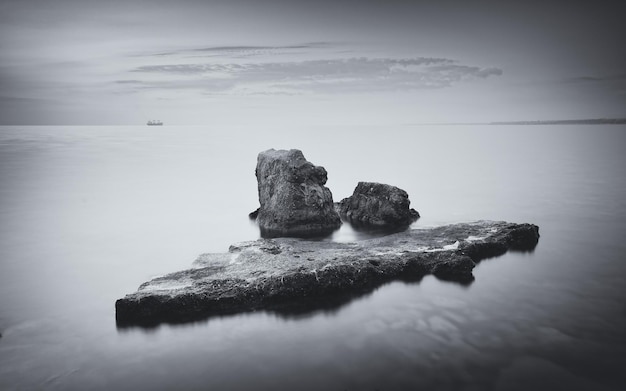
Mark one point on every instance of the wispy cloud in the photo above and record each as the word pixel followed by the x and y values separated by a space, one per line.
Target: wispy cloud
pixel 595 79
pixel 241 51
pixel 331 75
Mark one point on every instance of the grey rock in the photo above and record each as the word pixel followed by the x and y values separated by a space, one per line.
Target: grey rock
pixel 275 273
pixel 378 206
pixel 294 201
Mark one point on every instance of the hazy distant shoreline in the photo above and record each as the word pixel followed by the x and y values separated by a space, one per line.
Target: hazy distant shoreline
pixel 591 121
pixel 595 121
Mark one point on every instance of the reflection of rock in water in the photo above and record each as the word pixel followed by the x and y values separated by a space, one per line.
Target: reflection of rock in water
pixel 280 274
pixel 294 201
pixel 378 206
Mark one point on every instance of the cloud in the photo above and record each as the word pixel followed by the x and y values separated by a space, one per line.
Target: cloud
pixel 129 82
pixel 332 75
pixel 242 51
pixel 206 85
pixel 595 79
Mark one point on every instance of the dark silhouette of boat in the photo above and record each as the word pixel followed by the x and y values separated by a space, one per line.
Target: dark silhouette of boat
pixel 155 123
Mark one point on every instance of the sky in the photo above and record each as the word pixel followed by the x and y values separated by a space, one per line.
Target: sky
pixel 278 62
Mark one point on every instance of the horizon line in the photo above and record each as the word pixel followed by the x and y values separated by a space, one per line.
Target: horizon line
pixel 582 121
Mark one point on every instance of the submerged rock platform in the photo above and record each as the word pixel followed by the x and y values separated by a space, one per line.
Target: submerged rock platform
pixel 272 273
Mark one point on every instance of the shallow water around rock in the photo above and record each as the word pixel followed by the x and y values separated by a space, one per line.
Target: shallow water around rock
pixel 89 213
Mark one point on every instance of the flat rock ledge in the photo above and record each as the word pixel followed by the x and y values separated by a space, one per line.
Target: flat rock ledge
pixel 271 273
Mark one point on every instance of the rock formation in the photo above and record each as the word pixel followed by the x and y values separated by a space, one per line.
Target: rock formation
pixel 274 273
pixel 378 206
pixel 294 201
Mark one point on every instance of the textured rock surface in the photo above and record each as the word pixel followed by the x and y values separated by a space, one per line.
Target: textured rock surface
pixel 294 201
pixel 270 273
pixel 378 206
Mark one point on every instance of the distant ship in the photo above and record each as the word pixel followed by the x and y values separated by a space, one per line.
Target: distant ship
pixel 155 123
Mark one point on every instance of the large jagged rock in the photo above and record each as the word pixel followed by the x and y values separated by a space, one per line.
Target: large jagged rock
pixel 294 201
pixel 275 273
pixel 378 206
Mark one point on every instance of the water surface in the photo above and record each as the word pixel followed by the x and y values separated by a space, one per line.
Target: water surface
pixel 89 213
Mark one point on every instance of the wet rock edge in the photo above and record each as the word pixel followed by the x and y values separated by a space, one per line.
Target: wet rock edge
pixel 448 252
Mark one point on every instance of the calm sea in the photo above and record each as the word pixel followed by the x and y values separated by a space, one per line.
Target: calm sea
pixel 89 213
